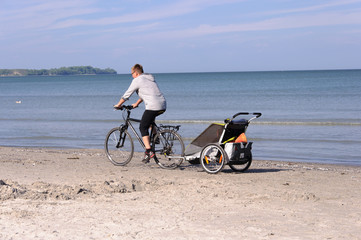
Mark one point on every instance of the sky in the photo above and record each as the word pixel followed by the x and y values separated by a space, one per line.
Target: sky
pixel 181 35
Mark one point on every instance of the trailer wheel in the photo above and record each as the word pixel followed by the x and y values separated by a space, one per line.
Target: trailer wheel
pixel 213 158
pixel 241 167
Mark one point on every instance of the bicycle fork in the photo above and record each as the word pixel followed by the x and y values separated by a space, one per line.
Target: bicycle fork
pixel 122 136
pixel 120 142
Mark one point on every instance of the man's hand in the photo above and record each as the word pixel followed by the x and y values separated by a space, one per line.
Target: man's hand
pixel 117 106
pixel 134 105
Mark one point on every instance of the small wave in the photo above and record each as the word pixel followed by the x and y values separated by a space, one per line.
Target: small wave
pixel 108 120
pixel 41 138
pixel 307 123
pixel 302 140
pixel 266 122
pixel 257 122
pixel 62 120
pixel 188 121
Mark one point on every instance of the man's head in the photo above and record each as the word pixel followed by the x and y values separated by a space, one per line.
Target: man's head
pixel 137 70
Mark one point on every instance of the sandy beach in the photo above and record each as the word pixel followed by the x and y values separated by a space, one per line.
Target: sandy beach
pixel 79 194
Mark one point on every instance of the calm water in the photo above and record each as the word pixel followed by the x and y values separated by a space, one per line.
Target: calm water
pixel 308 116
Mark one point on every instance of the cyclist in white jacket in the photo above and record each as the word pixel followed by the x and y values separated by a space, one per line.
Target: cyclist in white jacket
pixel 155 104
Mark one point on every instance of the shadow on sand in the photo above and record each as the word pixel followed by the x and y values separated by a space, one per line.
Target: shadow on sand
pixel 226 169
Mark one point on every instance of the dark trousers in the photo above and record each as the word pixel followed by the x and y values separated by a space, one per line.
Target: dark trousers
pixel 147 120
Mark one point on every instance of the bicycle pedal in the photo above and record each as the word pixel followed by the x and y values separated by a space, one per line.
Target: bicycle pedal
pixel 145 161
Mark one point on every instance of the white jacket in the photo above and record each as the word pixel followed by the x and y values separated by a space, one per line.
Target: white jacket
pixel 148 90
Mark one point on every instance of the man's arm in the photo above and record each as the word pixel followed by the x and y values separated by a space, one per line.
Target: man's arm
pixel 137 103
pixel 121 101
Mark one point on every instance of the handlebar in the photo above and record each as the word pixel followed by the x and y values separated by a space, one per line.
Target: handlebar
pixel 257 115
pixel 128 107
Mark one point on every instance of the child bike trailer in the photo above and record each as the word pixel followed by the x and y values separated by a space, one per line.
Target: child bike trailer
pixel 222 144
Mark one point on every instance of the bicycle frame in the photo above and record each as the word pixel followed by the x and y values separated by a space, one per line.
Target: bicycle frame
pixel 128 123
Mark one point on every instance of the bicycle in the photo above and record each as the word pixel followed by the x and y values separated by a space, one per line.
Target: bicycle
pixel 166 143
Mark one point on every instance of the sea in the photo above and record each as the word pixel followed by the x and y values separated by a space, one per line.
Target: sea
pixel 307 116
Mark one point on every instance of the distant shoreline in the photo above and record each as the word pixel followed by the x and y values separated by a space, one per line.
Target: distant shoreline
pixel 109 71
pixel 63 71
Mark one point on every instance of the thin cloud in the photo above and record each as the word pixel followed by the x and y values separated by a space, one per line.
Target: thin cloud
pixel 45 8
pixel 43 13
pixel 53 15
pixel 160 12
pixel 313 8
pixel 279 23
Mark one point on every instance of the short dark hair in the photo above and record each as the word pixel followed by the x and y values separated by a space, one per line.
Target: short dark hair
pixel 137 68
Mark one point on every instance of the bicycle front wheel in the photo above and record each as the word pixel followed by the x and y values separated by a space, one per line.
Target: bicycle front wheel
pixel 168 147
pixel 119 146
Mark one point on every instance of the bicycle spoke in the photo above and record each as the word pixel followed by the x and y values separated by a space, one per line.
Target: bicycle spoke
pixel 119 149
pixel 170 150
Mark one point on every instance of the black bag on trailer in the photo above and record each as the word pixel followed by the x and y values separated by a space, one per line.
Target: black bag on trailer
pixel 238 152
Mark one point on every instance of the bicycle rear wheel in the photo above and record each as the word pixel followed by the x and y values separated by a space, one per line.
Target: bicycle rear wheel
pixel 168 147
pixel 213 158
pixel 119 146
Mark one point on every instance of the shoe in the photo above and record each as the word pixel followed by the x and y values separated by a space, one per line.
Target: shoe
pixel 147 156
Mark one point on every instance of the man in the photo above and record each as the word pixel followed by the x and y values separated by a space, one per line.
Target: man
pixel 155 103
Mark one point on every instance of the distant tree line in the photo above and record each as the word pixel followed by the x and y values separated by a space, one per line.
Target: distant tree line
pixel 78 70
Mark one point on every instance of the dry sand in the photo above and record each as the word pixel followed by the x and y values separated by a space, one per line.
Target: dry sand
pixel 79 194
